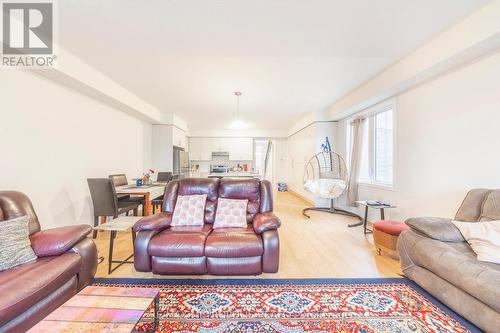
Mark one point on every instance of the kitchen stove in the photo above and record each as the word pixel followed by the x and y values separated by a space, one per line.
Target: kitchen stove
pixel 219 169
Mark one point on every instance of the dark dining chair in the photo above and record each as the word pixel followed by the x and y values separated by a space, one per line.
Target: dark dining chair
pixel 121 180
pixel 158 201
pixel 105 202
pixel 163 177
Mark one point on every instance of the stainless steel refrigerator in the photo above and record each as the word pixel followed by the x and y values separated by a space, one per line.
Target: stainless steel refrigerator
pixel 181 163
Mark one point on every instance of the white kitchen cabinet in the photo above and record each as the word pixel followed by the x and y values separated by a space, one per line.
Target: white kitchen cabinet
pixel 220 144
pixel 207 147
pixel 195 149
pixel 241 149
pixel 200 149
pixel 179 138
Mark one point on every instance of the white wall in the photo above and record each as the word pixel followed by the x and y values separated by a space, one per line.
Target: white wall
pixel 244 133
pixel 447 141
pixel 302 145
pixel 52 138
pixel 162 150
pixel 474 36
pixel 280 161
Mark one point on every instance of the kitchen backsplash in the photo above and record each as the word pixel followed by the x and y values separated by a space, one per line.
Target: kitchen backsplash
pixel 204 166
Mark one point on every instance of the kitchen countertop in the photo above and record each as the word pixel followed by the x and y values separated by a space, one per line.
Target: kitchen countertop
pixel 235 174
pixel 242 174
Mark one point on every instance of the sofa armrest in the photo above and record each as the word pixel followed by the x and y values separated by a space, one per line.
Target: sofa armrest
pixel 154 222
pixel 264 222
pixel 142 259
pixel 54 242
pixel 438 228
pixel 271 255
pixel 87 251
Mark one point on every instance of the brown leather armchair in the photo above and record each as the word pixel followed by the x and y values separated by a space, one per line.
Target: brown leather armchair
pixel 67 262
pixel 162 249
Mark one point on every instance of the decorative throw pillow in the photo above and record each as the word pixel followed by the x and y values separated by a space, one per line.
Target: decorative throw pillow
pixel 189 210
pixel 231 213
pixel 483 237
pixel 15 245
pixel 436 228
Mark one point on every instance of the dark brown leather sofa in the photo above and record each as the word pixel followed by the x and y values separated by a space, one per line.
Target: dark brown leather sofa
pixel 67 262
pixel 203 250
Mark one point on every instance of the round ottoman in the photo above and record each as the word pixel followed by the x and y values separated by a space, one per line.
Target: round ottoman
pixel 385 235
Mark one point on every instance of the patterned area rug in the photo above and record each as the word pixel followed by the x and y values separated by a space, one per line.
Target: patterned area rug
pixel 312 305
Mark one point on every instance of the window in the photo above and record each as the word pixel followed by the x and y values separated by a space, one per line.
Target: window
pixel 383 130
pixel 364 169
pixel 377 161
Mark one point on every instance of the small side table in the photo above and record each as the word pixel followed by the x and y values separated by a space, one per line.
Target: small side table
pixel 122 223
pixel 379 207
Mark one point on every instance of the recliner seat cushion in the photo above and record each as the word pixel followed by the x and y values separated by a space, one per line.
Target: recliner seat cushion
pixel 25 285
pixel 234 243
pixel 180 242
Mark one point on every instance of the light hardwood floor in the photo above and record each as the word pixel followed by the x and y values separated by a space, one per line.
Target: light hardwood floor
pixel 320 247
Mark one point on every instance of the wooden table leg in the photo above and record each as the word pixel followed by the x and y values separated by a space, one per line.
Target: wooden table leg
pixel 147 207
pixel 133 238
pixel 382 214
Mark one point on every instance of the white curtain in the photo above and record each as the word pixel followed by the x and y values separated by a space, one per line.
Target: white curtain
pixel 356 151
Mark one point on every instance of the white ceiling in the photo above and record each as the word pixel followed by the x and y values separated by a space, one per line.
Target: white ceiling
pixel 288 57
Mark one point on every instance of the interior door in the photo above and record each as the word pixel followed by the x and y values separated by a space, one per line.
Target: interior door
pixel 264 159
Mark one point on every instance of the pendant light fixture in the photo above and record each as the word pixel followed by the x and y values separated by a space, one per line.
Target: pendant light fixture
pixel 237 124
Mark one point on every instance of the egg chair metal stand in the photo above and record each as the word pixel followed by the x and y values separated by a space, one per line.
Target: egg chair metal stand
pixel 326 176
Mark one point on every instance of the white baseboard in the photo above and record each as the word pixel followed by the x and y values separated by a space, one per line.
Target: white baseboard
pixel 302 197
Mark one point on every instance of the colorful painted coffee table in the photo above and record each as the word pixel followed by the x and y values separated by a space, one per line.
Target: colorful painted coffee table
pixel 103 309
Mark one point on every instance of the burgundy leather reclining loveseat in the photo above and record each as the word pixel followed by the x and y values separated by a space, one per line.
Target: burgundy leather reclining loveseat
pixel 67 262
pixel 201 249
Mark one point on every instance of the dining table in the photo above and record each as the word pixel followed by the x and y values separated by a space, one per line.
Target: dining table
pixel 149 192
